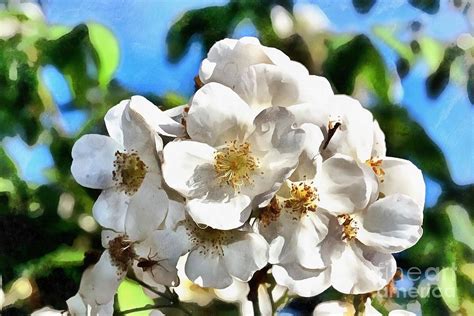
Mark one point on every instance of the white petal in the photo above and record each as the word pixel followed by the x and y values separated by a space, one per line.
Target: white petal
pixel 402 176
pixel 176 213
pixel 110 209
pixel 113 121
pixel 334 308
pixel 342 185
pixel 158 120
pixel 246 255
pixel 228 58
pixel 168 244
pixel 303 282
pixel 370 310
pixel 235 292
pixel 76 305
pixel 207 270
pixel 360 269
pixel 138 136
pixel 217 114
pixel 309 112
pixel 264 85
pixel 147 208
pixel 310 160
pixel 93 161
pixel 379 149
pixel 182 160
pixel 391 224
pixel 297 240
pixel 220 51
pixel 355 136
pixel 220 211
pixel 108 235
pixel 100 282
pixel 278 145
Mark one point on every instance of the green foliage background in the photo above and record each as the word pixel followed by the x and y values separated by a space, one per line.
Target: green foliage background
pixel 46 247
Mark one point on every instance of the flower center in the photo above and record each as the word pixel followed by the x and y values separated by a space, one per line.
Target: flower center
pixel 129 172
pixel 349 226
pixel 376 164
pixel 121 252
pixel 304 198
pixel 234 164
pixel 208 240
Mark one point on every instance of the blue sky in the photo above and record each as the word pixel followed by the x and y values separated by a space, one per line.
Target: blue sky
pixel 141 27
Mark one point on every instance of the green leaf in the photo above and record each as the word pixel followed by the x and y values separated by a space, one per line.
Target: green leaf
pixel 130 295
pixel 61 257
pixel 432 52
pixel 171 100
pixel 387 35
pixel 107 49
pixel 212 23
pixel 56 31
pixel 463 230
pixel 357 59
pixel 448 288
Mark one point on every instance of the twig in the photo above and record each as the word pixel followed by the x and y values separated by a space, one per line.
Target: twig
pixel 144 308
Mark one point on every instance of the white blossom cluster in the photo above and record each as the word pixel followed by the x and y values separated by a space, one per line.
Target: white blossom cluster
pixel 264 165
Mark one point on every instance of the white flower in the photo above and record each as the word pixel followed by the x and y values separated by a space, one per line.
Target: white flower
pixel 232 162
pixel 125 166
pixel 360 243
pixel 229 58
pixel 217 257
pixel 350 129
pixel 262 76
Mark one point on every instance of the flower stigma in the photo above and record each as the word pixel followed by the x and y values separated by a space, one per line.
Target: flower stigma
pixel 235 164
pixel 129 172
pixel 349 226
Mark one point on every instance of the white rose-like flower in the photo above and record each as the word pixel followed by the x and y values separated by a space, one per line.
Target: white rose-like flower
pixel 263 76
pixel 232 162
pixel 216 258
pixel 358 248
pixel 125 166
pixel 351 130
pixel 360 244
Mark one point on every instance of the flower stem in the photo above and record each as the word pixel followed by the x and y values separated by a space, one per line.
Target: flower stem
pixel 144 308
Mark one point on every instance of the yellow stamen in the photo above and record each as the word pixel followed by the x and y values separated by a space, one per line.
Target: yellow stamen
pixel 303 198
pixel 349 226
pixel 235 164
pixel 376 164
pixel 129 172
